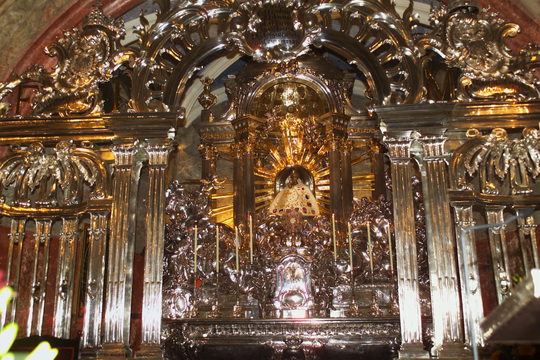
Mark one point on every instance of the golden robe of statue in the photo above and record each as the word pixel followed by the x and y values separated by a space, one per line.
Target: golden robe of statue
pixel 295 196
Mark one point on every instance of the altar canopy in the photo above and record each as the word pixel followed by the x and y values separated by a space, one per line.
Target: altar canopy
pixel 273 180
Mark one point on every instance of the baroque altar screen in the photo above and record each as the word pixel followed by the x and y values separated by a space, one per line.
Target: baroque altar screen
pixel 274 179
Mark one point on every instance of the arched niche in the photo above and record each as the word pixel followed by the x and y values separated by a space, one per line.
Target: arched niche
pixel 283 176
pixel 294 97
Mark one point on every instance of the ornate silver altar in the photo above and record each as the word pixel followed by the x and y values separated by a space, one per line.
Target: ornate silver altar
pixel 272 179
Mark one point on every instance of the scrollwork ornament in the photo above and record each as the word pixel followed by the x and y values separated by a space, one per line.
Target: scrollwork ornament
pixel 495 158
pixel 34 73
pixel 274 31
pixel 475 42
pixel 58 175
pixel 86 58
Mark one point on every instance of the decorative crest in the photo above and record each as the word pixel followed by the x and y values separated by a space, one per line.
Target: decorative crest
pixel 474 41
pixel 96 18
pixel 274 31
pixel 86 59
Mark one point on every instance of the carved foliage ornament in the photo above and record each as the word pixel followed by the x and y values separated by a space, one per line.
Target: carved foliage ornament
pixel 86 58
pixel 33 73
pixel 495 156
pixel 180 43
pixel 278 31
pixel 474 41
pixel 58 175
pixel 274 31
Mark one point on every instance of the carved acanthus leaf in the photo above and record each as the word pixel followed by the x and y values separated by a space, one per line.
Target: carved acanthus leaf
pixel 515 160
pixel 65 168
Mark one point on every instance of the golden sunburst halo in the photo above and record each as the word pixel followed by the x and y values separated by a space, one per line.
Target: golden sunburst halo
pixel 289 143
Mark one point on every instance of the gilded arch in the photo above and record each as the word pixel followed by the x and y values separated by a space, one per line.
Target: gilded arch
pixel 368 34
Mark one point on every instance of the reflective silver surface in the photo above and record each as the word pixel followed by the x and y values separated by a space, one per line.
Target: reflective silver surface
pixel 116 325
pixel 320 85
pixel 406 255
pixel 65 277
pixel 152 300
pixel 282 339
pixel 441 246
pixel 473 309
pixel 515 320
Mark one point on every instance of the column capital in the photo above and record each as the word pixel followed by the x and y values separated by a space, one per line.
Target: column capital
pixel 237 150
pixel 158 154
pixel 526 223
pixel 246 127
pixel 398 148
pixel 250 145
pixel 208 151
pixel 433 146
pixel 69 230
pixel 375 147
pixel 16 234
pixel 463 213
pixel 124 154
pixel 495 207
pixel 335 124
pixel 346 146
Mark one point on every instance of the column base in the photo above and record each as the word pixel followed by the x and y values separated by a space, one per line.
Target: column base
pixel 150 351
pixel 90 352
pixel 413 351
pixel 112 351
pixel 454 352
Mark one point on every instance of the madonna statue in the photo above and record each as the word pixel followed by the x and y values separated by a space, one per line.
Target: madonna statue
pixel 295 196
